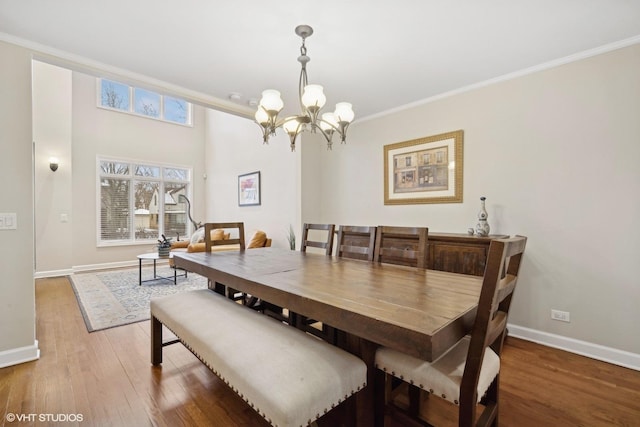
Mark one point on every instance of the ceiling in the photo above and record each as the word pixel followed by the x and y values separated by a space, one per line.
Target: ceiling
pixel 378 55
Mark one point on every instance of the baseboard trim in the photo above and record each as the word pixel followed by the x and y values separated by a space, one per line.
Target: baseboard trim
pixel 583 348
pixel 81 268
pixel 19 355
pixel 105 266
pixel 52 273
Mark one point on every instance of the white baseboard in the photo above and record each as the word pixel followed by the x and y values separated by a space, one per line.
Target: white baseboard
pixel 89 267
pixel 80 268
pixel 52 273
pixel 19 355
pixel 594 351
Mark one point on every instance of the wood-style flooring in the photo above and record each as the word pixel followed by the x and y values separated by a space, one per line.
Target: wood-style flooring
pixel 106 378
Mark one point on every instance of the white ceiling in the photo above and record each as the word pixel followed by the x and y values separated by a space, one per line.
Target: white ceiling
pixel 379 55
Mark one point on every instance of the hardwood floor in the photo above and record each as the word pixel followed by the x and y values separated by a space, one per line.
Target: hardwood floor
pixel 106 377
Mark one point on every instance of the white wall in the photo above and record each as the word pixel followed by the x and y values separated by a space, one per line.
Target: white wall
pixel 100 132
pixel 52 137
pixel 234 147
pixel 77 137
pixel 17 293
pixel 556 154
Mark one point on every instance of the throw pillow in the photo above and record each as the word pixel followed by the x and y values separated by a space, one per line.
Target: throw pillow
pixel 197 236
pixel 217 234
pixel 258 240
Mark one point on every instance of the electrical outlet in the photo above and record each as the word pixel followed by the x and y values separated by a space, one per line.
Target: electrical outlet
pixel 562 316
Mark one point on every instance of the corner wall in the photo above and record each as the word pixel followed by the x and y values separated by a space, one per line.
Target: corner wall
pixel 17 291
pixel 234 147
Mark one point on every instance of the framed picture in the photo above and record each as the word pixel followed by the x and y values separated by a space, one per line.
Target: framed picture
pixel 425 170
pixel 249 189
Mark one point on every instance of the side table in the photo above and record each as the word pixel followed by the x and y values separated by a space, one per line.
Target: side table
pixel 154 257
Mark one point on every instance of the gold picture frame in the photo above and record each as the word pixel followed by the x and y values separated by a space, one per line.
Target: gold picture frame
pixel 424 170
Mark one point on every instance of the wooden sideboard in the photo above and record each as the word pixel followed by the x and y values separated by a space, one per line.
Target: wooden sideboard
pixel 459 253
pixel 452 252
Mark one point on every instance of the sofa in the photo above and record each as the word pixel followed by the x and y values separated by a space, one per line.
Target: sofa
pixel 197 244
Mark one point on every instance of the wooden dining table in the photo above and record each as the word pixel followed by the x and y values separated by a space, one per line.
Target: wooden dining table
pixel 416 311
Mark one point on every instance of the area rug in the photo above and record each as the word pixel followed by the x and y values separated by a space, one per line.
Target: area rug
pixel 114 298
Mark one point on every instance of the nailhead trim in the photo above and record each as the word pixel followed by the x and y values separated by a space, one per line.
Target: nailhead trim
pixel 261 413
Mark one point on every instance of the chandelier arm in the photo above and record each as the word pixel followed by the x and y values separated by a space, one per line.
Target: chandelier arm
pixel 293 136
pixel 343 132
pixel 265 133
pixel 327 135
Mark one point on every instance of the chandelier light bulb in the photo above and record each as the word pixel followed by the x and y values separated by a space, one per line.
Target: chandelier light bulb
pixel 344 112
pixel 291 126
pixel 261 116
pixel 271 100
pixel 313 96
pixel 328 120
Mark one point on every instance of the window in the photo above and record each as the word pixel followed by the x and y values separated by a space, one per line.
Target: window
pixel 138 202
pixel 114 95
pixel 142 102
pixel 147 102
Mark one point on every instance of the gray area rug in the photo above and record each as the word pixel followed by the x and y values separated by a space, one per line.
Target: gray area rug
pixel 113 298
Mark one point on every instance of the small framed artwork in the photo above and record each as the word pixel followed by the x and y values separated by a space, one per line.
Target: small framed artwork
pixel 249 189
pixel 424 170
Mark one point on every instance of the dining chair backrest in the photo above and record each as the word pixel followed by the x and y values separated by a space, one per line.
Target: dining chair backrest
pixel 326 244
pixel 402 245
pixel 236 240
pixel 489 328
pixel 357 242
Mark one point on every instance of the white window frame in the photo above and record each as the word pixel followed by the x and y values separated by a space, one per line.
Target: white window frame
pixel 132 103
pixel 132 178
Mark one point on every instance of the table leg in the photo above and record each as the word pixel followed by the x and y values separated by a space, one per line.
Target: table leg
pixel 154 269
pixel 175 276
pixel 366 350
pixel 140 272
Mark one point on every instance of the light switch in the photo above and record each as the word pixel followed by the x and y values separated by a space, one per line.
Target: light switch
pixel 64 217
pixel 8 221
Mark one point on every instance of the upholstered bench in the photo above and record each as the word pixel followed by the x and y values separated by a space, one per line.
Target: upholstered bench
pixel 289 377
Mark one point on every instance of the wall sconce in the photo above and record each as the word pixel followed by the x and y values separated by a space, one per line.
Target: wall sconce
pixel 53 163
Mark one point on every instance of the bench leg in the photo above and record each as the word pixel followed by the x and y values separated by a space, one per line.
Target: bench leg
pixel 156 341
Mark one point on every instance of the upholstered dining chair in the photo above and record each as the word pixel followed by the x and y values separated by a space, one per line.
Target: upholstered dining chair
pixel 468 373
pixel 304 323
pixel 357 242
pixel 402 245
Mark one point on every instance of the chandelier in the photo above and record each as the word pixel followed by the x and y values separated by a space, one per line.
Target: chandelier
pixel 311 99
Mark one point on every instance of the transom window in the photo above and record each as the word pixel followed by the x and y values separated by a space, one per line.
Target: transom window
pixel 139 202
pixel 134 100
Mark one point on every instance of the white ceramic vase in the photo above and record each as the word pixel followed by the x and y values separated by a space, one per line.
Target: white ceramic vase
pixel 482 228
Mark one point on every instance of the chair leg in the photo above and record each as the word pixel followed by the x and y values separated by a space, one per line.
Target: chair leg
pixel 382 393
pixel 414 401
pixel 489 416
